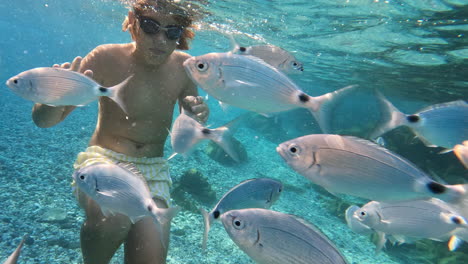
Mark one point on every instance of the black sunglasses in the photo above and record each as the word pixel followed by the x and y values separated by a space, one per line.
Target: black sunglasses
pixel 152 27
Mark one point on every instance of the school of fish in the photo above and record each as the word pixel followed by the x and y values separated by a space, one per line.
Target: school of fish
pixel 405 204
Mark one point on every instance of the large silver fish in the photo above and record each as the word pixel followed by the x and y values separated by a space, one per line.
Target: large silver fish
pixel 250 83
pixel 120 188
pixel 58 87
pixel 186 132
pixel 253 193
pixel 358 167
pixel 13 258
pixel 461 150
pixel 270 237
pixel 443 125
pixel 430 218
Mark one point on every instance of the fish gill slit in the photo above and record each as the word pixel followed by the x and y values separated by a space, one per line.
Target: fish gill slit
pixel 314 160
pixel 258 239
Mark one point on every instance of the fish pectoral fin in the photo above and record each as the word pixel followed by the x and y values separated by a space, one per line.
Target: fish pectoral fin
pixel 106 193
pixel 240 83
pixel 385 221
pixel 381 239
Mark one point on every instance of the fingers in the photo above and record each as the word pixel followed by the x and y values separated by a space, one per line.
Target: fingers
pixel 193 100
pixel 65 65
pixel 88 73
pixel 75 66
pixel 196 109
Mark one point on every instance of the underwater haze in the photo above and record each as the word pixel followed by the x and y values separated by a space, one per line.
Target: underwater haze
pixel 414 51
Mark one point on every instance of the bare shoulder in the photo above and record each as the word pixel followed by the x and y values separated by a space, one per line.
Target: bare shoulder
pixel 101 57
pixel 108 52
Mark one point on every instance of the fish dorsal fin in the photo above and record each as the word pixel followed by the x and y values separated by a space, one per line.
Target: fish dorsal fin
pixel 444 105
pixel 133 169
pixel 130 167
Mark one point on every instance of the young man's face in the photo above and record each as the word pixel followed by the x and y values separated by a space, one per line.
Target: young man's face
pixel 156 34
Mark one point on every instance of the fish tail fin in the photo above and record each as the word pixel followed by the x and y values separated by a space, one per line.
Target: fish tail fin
pixel 207 220
pixel 163 216
pixel 454 243
pixel 223 137
pixel 115 95
pixel 322 106
pixel 456 194
pixel 390 117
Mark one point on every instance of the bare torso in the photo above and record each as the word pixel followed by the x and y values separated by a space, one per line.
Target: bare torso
pixel 150 103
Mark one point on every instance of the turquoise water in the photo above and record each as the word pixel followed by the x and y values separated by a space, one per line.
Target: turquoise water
pixel 415 52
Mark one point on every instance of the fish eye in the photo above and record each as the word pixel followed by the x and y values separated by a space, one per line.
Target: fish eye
pixel 363 213
pixel 202 66
pixel 242 49
pixel 15 81
pixel 294 63
pixel 294 150
pixel 238 224
pixel 82 176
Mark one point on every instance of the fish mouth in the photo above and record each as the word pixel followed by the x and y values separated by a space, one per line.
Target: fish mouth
pixel 281 152
pixel 187 63
pixel 8 83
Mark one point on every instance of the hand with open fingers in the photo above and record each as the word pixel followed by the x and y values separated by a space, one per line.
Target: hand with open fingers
pixel 197 107
pixel 74 66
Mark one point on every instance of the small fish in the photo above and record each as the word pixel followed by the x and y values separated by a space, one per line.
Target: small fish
pixel 270 237
pixel 120 188
pixel 462 153
pixel 253 193
pixel 277 57
pixel 355 225
pixel 58 87
pixel 186 132
pixel 13 258
pixel 353 166
pixel 442 125
pixel 431 218
pixel 250 83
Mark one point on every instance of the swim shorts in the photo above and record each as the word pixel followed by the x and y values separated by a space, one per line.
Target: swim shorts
pixel 155 170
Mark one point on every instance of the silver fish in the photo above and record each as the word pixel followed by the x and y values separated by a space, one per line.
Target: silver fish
pixel 270 237
pixel 120 188
pixel 358 167
pixel 250 83
pixel 431 218
pixel 186 132
pixel 13 258
pixel 277 57
pixel 58 87
pixel 462 153
pixel 253 193
pixel 443 125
